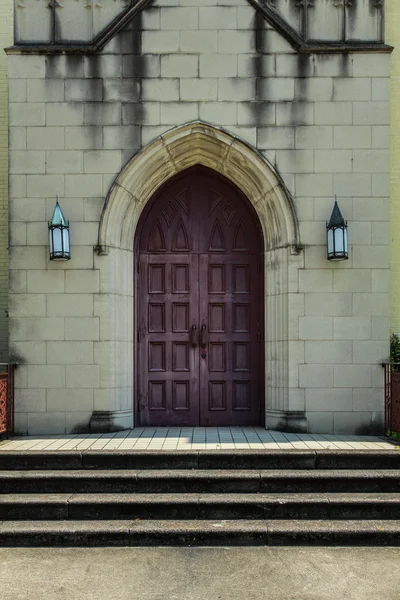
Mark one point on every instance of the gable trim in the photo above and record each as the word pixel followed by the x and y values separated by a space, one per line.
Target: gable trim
pixel 279 24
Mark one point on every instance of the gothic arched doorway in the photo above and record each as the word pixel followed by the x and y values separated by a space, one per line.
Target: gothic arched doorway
pixel 200 293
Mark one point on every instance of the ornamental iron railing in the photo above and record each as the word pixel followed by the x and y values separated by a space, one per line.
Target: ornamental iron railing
pixel 392 397
pixel 6 399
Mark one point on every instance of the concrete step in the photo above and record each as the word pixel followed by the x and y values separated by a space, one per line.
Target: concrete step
pixel 202 459
pixel 95 498
pixel 197 481
pixel 199 533
pixel 199 506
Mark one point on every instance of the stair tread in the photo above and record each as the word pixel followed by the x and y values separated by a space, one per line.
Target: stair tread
pixel 180 498
pixel 202 525
pixel 199 533
pixel 199 474
pixel 136 524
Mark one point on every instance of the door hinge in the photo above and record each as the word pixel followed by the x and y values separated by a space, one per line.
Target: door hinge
pixel 258 336
pixel 138 267
pixel 258 267
pixel 138 336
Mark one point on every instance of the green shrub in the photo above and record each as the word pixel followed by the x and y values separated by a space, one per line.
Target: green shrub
pixel 395 351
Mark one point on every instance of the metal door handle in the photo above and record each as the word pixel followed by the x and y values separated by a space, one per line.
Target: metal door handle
pixel 203 336
pixel 194 336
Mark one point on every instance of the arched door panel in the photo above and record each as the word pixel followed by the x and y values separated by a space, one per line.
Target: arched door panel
pixel 199 320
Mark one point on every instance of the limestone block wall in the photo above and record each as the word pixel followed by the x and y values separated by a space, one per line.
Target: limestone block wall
pixel 322 122
pixel 6 36
pixel 392 27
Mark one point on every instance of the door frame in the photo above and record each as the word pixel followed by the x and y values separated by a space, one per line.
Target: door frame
pixel 172 152
pixel 136 299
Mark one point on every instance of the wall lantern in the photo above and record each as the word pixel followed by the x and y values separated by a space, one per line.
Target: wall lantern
pixel 336 231
pixel 59 235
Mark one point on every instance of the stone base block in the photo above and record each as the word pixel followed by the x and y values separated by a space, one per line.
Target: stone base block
pixel 106 421
pixel 289 421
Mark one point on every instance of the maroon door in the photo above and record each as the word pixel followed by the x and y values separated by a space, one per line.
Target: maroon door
pixel 199 319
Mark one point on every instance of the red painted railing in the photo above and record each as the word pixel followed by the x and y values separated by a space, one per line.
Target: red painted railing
pixel 392 397
pixel 6 399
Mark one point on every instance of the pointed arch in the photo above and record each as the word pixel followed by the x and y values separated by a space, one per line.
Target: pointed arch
pixel 175 151
pixel 181 148
pixel 156 240
pixel 180 239
pixel 239 238
pixel 217 241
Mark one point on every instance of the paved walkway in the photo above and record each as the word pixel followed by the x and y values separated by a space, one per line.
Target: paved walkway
pixel 197 438
pixel 200 573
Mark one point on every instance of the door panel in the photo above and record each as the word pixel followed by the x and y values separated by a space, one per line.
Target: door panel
pixel 200 306
pixel 168 364
pixel 230 361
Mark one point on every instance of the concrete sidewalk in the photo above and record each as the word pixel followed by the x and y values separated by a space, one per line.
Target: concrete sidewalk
pixel 200 574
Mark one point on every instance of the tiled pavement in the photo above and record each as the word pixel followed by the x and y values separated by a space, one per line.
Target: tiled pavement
pixel 196 438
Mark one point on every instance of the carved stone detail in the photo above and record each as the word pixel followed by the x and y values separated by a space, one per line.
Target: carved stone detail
pixel 315 19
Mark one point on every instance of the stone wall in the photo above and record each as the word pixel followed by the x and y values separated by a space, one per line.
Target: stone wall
pixel 392 28
pixel 320 120
pixel 6 36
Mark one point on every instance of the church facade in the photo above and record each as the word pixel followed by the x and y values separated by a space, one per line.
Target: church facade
pixel 197 148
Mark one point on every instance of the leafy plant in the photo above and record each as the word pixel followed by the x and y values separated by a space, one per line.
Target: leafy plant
pixel 395 352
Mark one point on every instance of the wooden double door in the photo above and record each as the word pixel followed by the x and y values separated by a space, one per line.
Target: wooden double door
pixel 199 319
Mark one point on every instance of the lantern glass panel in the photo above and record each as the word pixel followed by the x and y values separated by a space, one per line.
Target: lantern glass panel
pixel 57 241
pixel 339 240
pixel 331 247
pixel 65 233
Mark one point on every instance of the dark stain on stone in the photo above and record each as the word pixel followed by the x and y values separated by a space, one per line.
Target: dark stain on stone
pixel 56 23
pixel 350 16
pixel 346 65
pixel 93 62
pixel 301 89
pixel 135 34
pixel 259 107
pixel 303 71
pixel 51 64
pixel 81 428
pixel 102 422
pixel 136 110
pixel 136 65
pixel 344 59
pixel 375 428
pixel 93 73
pixel 291 425
pixel 74 66
pixel 298 113
pixel 304 65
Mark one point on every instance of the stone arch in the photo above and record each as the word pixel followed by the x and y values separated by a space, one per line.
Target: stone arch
pixel 184 147
pixel 173 152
